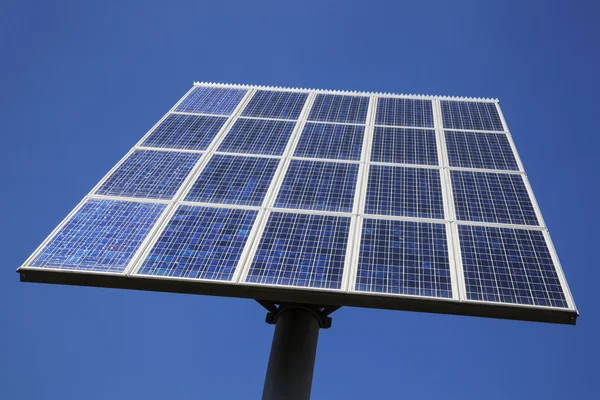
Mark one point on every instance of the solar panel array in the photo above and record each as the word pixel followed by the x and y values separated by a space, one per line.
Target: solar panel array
pixel 366 194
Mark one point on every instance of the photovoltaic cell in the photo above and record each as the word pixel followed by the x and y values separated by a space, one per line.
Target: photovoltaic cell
pixel 201 243
pixel 212 100
pixel 150 174
pixel 489 197
pixel 316 185
pixel 404 146
pixel 103 236
pixel 335 108
pixel 301 250
pixel 404 257
pixel 480 150
pixel 234 180
pixel 343 142
pixel 404 112
pixel 509 266
pixel 189 132
pixel 258 136
pixel 482 116
pixel 272 104
pixel 404 191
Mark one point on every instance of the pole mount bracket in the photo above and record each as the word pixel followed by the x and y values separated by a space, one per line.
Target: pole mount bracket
pixel 321 313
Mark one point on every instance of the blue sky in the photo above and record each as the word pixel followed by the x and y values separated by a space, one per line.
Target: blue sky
pixel 82 81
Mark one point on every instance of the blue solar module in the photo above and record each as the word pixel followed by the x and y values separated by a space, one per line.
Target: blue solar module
pixel 482 116
pixel 335 108
pixel 404 191
pixel 404 257
pixel 234 180
pixel 509 266
pixel 404 146
pixel 189 132
pixel 103 235
pixel 343 142
pixel 258 136
pixel 200 243
pixel 150 174
pixel 271 104
pixel 489 197
pixel 301 250
pixel 480 150
pixel 212 100
pixel 404 112
pixel 316 185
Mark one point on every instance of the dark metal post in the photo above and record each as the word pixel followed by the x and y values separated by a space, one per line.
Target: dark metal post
pixel 293 351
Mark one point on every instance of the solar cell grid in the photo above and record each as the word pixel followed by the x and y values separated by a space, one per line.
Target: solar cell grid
pixel 480 150
pixel 404 257
pixel 404 191
pixel 102 236
pixel 201 243
pixel 301 250
pixel 189 132
pixel 316 185
pixel 509 266
pixel 490 197
pixel 334 108
pixel 469 115
pixel 404 146
pixel 393 111
pixel 332 141
pixel 234 180
pixel 150 174
pixel 258 136
pixel 212 100
pixel 274 104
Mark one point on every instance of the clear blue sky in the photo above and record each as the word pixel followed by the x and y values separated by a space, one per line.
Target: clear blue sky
pixel 82 81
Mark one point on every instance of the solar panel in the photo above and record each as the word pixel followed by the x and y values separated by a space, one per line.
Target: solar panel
pixel 334 108
pixel 258 136
pixel 471 115
pixel 270 104
pixel 316 185
pixel 319 197
pixel 234 180
pixel 480 150
pixel 404 146
pixel 340 142
pixel 149 174
pixel 188 132
pixel 490 197
pixel 404 112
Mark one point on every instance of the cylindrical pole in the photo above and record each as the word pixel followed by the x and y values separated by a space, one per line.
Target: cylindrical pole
pixel 292 359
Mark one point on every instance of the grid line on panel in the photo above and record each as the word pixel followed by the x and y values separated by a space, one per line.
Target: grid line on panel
pixel 404 257
pixel 404 112
pixel 318 185
pixel 469 115
pixel 337 108
pixel 212 100
pixel 188 132
pixel 404 146
pixel 306 250
pixel 150 174
pixel 480 150
pixel 236 180
pixel 509 266
pixel 492 197
pixel 201 243
pixel 342 142
pixel 257 136
pixel 404 191
pixel 102 235
pixel 274 104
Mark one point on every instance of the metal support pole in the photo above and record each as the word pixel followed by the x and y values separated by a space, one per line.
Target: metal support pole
pixel 293 351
